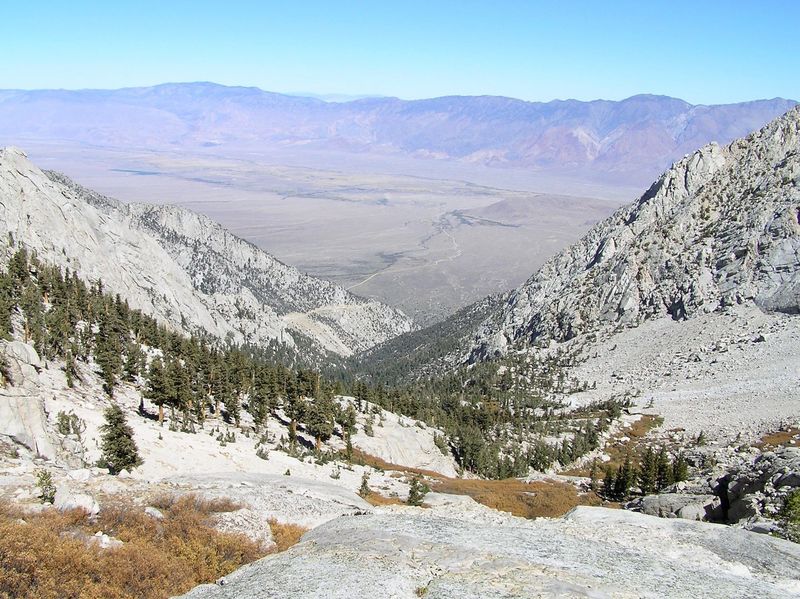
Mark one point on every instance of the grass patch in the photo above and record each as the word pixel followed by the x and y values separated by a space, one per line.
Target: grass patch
pixel 789 437
pixel 202 505
pixel 375 498
pixel 47 555
pixel 285 535
pixel 365 459
pixel 526 499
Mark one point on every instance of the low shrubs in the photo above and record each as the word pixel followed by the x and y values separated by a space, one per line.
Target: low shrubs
pixel 47 555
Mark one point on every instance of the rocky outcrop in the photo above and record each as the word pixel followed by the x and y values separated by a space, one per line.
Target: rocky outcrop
pixel 721 227
pixel 679 505
pixel 592 552
pixel 754 491
pixel 184 269
pixel 22 417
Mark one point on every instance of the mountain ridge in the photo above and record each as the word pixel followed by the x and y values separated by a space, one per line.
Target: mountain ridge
pixel 720 227
pixel 692 205
pixel 184 268
pixel 630 140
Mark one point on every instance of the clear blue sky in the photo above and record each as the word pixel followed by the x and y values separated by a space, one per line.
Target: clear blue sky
pixel 704 51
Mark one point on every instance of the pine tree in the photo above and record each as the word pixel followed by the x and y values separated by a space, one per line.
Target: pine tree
pixel 108 352
pixel 417 491
pixel 680 469
pixel 364 491
pixel 648 472
pixel 6 305
pixel 118 449
pixel 624 479
pixel 158 389
pixel 348 428
pixel 294 408
pixel 319 420
pixel 664 475
pixel 70 367
pixel 133 361
pixel 609 483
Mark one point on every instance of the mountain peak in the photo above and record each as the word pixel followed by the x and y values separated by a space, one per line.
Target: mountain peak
pixel 721 227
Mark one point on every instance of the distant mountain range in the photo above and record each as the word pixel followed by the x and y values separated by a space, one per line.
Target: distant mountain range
pixel 628 141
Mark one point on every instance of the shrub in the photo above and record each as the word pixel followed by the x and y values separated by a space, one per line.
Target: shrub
pixel 285 535
pixel 47 490
pixel 791 516
pixel 43 555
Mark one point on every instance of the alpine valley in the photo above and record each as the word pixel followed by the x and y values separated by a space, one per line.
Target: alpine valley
pixel 625 423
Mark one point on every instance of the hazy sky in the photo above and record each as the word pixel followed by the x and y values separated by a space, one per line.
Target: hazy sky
pixel 703 51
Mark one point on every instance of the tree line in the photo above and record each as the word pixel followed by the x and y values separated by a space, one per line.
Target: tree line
pixel 496 416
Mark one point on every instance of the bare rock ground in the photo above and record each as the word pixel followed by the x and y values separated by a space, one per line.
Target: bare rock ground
pixel 592 552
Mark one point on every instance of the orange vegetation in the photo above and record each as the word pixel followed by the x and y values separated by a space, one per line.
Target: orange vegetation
pixel 285 535
pixel 529 500
pixel 47 555
pixel 789 437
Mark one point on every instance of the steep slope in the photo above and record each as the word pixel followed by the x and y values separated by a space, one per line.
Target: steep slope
pixel 184 269
pixel 629 141
pixel 721 227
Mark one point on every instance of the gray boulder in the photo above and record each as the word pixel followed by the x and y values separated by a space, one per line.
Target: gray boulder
pixel 679 505
pixel 67 499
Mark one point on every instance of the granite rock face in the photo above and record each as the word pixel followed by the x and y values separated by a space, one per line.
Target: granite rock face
pixel 591 552
pixel 721 227
pixel 183 268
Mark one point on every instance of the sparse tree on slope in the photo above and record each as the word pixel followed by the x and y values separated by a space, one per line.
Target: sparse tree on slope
pixel 119 451
pixel 417 491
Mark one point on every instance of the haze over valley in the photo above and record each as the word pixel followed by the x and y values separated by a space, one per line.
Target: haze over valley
pixel 423 205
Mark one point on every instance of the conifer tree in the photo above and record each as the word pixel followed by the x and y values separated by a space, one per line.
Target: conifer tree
pixel 348 428
pixel 417 491
pixel 133 361
pixel 6 305
pixel 119 451
pixel 158 389
pixel 648 472
pixel 624 479
pixel 609 483
pixel 108 354
pixel 364 491
pixel 680 469
pixel 664 475
pixel 319 421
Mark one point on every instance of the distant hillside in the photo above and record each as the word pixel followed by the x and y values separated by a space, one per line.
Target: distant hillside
pixel 184 269
pixel 629 141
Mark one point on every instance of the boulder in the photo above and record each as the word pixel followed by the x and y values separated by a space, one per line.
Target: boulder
pixel 67 499
pixel 104 541
pixel 154 513
pixel 744 508
pixel 672 505
pixel 591 552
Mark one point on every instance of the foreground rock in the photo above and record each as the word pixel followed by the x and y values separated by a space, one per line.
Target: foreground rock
pixel 592 552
